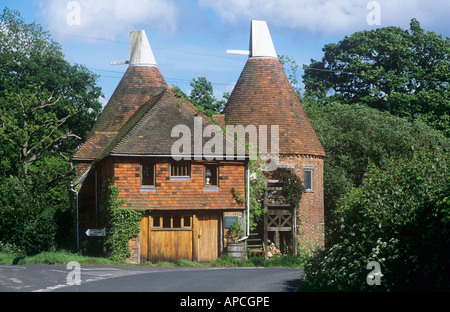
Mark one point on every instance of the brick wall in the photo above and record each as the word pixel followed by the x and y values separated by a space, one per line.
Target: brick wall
pixel 311 212
pixel 134 250
pixel 171 194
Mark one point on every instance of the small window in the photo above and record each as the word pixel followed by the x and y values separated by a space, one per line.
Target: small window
pixel 180 168
pixel 156 221
pixel 308 180
pixel 211 175
pixel 167 222
pixel 148 174
pixel 187 221
pixel 176 222
pixel 172 222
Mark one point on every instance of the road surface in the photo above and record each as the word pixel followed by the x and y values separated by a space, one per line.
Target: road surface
pixel 129 278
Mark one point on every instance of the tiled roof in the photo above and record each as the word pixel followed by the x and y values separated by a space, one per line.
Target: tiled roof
pixel 149 130
pixel 138 85
pixel 264 96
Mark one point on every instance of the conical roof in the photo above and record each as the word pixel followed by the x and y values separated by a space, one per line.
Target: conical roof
pixel 139 84
pixel 263 95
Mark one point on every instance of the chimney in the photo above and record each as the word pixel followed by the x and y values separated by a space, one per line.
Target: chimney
pixel 140 51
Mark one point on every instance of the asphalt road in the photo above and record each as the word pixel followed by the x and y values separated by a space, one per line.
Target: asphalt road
pixel 128 278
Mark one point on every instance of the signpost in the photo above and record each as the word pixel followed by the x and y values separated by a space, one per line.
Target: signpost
pixel 96 232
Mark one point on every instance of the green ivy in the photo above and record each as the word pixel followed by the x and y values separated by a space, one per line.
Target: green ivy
pixel 293 189
pixel 121 224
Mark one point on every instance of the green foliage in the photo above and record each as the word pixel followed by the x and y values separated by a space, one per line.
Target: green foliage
pixel 202 96
pixel 240 200
pixel 61 257
pixel 355 136
pixel 405 72
pixel 293 189
pixel 121 224
pixel 398 216
pixel 290 68
pixel 25 220
pixel 47 106
pixel 257 188
pixel 289 261
pixel 235 232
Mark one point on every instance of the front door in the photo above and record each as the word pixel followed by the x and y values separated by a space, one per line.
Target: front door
pixel 208 238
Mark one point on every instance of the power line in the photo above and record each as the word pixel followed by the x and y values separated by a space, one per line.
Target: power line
pixel 180 80
pixel 360 74
pixel 156 48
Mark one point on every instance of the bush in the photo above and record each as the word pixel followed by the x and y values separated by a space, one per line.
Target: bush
pixel 26 218
pixel 398 217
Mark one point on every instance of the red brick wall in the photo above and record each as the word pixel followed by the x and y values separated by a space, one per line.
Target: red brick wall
pixel 170 194
pixel 311 212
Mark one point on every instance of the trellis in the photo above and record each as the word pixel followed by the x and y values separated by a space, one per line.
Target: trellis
pixel 280 216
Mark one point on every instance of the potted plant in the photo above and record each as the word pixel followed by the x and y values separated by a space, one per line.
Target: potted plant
pixel 235 248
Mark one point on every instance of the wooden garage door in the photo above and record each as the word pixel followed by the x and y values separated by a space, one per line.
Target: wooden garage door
pixel 170 237
pixel 208 238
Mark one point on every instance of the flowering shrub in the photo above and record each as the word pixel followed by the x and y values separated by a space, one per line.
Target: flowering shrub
pixel 399 217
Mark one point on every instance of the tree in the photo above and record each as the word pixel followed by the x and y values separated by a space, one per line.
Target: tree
pixel 202 96
pixel 354 136
pixel 47 107
pixel 399 216
pixel 290 68
pixel 405 72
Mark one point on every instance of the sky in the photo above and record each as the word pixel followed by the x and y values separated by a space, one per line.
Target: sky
pixel 189 38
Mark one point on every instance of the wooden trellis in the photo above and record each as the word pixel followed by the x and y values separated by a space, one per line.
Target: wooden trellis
pixel 280 216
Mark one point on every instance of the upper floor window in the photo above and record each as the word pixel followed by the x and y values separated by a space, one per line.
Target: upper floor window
pixel 180 168
pixel 308 180
pixel 148 174
pixel 211 175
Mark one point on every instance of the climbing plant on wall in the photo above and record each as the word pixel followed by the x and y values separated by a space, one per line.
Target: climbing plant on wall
pixel 121 224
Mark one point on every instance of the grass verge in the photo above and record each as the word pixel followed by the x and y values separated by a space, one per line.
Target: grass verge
pixel 64 257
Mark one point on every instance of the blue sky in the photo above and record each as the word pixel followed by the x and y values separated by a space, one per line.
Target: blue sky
pixel 189 38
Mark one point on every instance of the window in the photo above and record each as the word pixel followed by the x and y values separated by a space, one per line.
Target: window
pixel 211 175
pixel 148 175
pixel 308 180
pixel 156 221
pixel 171 222
pixel 187 221
pixel 180 168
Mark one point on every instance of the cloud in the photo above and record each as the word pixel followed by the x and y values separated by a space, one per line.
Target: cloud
pixel 326 17
pixel 108 18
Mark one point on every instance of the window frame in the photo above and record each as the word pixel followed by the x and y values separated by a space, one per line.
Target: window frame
pixel 216 170
pixel 141 175
pixel 180 177
pixel 311 188
pixel 170 217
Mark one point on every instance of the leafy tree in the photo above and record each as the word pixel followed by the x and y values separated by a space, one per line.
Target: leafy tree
pixel 405 72
pixel 399 216
pixel 47 107
pixel 290 68
pixel 354 136
pixel 202 96
pixel 46 104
